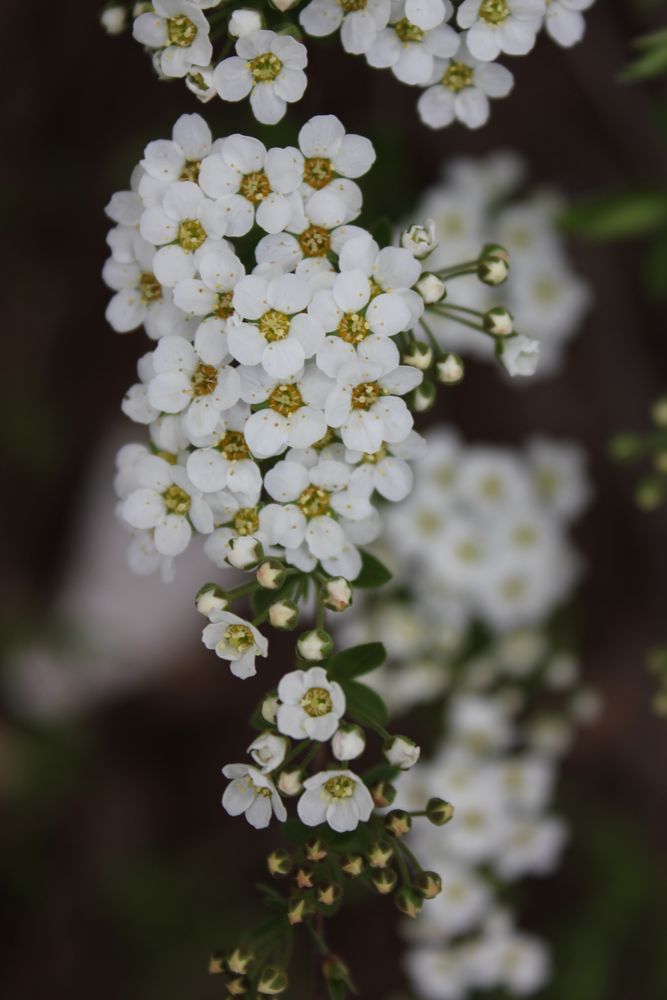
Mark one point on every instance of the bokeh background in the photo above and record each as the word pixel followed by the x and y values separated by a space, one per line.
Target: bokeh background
pixel 120 871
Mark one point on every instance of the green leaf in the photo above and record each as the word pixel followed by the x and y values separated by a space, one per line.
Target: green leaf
pixel 373 572
pixel 652 60
pixel 617 215
pixel 364 705
pixel 358 660
pixel 296 832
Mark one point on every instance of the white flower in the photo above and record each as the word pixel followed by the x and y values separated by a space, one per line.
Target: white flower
pixel 310 497
pixel 358 20
pixel 183 226
pixel 211 293
pixel 427 14
pixel 348 743
pixel 331 157
pixel 139 297
pixel 559 474
pixel 199 82
pixel 564 21
pixel 411 51
pixel 496 26
pixel 462 91
pixel 227 463
pixel 177 159
pixel 293 416
pixel 167 502
pixel 251 184
pixel 236 640
pixel 244 21
pixel 520 355
pixel 402 753
pixel 269 68
pixel 268 751
pixel 338 798
pixel 316 229
pixel 180 31
pixel 273 330
pixel 194 381
pixel 386 470
pixel 252 793
pixel 311 705
pixel 420 239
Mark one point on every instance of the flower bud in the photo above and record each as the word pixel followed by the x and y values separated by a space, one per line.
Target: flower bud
pixel 290 782
pixel 439 812
pixel 141 7
pixel 216 963
pixel 385 881
pixel 244 21
pixel 352 865
pixel 240 961
pixel 270 574
pixel 383 793
pixel 423 396
pixel 659 412
pixel 279 863
pixel 450 369
pixel 408 902
pixel 298 908
pixel 420 240
pixel 498 322
pixel 418 355
pixel 283 5
pixel 401 752
pixel 273 981
pixel 348 743
pixel 335 968
pixel 199 82
pixel 428 884
pixel 626 446
pixel 314 645
pixel 244 552
pixel 315 850
pixel 211 598
pixel 519 354
pixel 269 708
pixel 304 878
pixel 398 822
pixel 336 594
pixel 284 615
pixel 431 288
pixel 268 751
pixel 380 855
pixel 236 986
pixel 328 894
pixel 650 493
pixel 114 19
pixel 493 265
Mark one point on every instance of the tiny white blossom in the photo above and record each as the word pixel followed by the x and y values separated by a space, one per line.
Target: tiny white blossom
pixel 338 798
pixel 179 30
pixel 236 640
pixel 269 68
pixel 311 705
pixel 252 793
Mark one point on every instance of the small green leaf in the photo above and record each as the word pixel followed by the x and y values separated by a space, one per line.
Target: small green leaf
pixel 373 572
pixel 364 705
pixel 358 660
pixel 652 60
pixel 617 215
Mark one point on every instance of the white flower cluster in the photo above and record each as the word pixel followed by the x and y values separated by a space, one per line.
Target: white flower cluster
pixel 475 203
pixel 449 51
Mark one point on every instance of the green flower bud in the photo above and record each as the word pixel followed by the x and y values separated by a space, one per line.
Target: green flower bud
pixel 428 884
pixel 625 447
pixel 315 645
pixel 450 369
pixel 279 863
pixel 397 822
pixel 408 902
pixel 423 397
pixel 304 878
pixel 493 265
pixel 273 981
pixel 498 322
pixel 335 968
pixel 352 865
pixel 328 894
pixel 284 615
pixel 418 355
pixel 216 963
pixel 336 594
pixel 240 961
pixel 380 855
pixel 650 493
pixel 270 574
pixel 384 881
pixel 383 793
pixel 431 288
pixel 659 412
pixel 439 812
pixel 211 598
pixel 298 908
pixel 315 850
pixel 236 986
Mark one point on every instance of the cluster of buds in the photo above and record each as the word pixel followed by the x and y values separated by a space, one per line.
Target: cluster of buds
pixel 242 974
pixel 651 446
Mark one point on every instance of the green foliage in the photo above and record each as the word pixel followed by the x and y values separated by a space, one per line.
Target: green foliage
pixel 357 660
pixel 373 572
pixel 364 705
pixel 651 60
pixel 617 215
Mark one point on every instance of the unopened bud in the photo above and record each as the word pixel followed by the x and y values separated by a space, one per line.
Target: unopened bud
pixel 298 908
pixel 348 742
pixel 328 894
pixel 626 446
pixel 279 863
pixel 315 645
pixel 336 594
pixel 352 865
pixel 236 986
pixel 216 963
pixel 304 878
pixel 315 850
pixel 498 322
pixel 493 265
pixel 211 598
pixel 659 412
pixel 270 574
pixel 408 902
pixel 383 793
pixel 439 812
pixel 335 968
pixel 284 615
pixel 423 396
pixel 290 782
pixel 420 240
pixel 428 884
pixel 450 369
pixel 243 22
pixel 398 822
pixel 244 552
pixel 240 961
pixel 273 981
pixel 384 881
pixel 114 19
pixel 380 855
pixel 431 288
pixel 401 752
pixel 418 355
pixel 650 493
pixel 269 708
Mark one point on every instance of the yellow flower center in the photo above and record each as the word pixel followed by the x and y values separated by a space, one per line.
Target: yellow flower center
pixel 458 76
pixel 255 186
pixel 274 325
pixel 233 446
pixel 181 31
pixel 204 380
pixel 150 288
pixel 365 394
pixel 190 171
pixel 317 171
pixel 316 702
pixel 353 328
pixel 239 637
pixel 494 11
pixel 468 552
pixel 176 500
pixel 285 399
pixel 315 241
pixel 375 288
pixel 340 787
pixel 428 523
pixel 491 487
pixel 373 457
pixel 246 521
pixel 407 31
pixel 224 308
pixel 525 535
pixel 351 5
pixel 513 588
pixel 546 482
pixel 314 502
pixel 191 234
pixel 265 67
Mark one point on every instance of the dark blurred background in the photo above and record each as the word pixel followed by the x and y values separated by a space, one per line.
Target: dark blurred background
pixel 120 870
